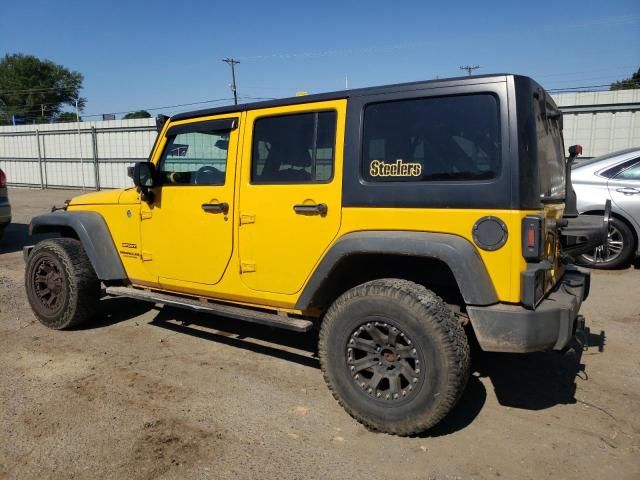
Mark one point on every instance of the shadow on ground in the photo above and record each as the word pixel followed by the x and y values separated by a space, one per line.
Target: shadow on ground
pixel 244 335
pixel 534 381
pixel 16 236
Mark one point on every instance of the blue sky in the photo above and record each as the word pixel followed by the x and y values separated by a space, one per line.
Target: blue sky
pixel 143 54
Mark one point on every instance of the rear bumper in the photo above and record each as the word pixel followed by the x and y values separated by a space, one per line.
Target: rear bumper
pixel 514 328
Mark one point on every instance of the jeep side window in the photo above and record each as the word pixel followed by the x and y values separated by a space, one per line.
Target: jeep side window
pixel 430 139
pixel 195 158
pixel 295 148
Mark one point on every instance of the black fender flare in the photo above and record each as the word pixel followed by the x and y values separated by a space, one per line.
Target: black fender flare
pixel 456 252
pixel 93 233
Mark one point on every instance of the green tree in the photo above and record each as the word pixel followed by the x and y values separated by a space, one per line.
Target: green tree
pixel 632 82
pixel 138 114
pixel 36 89
pixel 66 117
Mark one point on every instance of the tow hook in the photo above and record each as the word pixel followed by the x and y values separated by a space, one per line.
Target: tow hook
pixel 582 333
pixel 584 338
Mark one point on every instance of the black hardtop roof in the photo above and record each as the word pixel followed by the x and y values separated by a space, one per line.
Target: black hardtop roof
pixel 439 83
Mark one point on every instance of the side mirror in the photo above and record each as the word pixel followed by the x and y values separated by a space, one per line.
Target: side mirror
pixel 144 178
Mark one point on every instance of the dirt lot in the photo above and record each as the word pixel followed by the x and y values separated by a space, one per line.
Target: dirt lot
pixel 153 392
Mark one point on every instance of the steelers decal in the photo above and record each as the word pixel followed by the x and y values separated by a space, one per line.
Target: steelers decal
pixel 400 168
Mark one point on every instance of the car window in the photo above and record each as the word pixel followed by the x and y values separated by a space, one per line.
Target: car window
pixel 195 158
pixel 631 173
pixel 295 148
pixel 427 139
pixel 615 171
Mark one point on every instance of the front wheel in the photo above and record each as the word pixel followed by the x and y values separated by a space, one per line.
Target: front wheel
pixel 394 356
pixel 62 287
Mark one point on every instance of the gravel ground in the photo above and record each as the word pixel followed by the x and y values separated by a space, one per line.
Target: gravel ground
pixel 150 392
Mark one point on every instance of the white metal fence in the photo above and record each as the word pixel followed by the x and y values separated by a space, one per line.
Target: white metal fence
pixel 56 155
pixel 602 122
pixel 59 155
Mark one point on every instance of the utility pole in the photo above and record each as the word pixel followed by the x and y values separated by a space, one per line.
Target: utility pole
pixel 80 145
pixel 470 68
pixel 232 62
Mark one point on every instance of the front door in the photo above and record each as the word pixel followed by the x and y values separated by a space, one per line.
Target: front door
pixel 187 231
pixel 290 195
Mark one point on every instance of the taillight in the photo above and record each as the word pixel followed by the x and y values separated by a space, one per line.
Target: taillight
pixel 532 238
pixel 3 179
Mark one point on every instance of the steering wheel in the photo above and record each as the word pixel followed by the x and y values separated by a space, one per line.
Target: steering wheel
pixel 207 175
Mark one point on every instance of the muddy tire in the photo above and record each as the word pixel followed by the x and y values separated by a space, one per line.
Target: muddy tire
pixel 62 287
pixel 394 356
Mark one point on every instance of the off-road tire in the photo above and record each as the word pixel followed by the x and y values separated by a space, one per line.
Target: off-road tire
pixel 436 334
pixel 74 278
pixel 623 259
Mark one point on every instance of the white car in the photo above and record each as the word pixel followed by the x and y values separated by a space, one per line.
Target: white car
pixel 615 176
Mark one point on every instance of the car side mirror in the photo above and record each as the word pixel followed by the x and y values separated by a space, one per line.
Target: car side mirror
pixel 144 178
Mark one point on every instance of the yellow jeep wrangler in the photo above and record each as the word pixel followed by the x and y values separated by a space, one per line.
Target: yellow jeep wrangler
pixel 403 221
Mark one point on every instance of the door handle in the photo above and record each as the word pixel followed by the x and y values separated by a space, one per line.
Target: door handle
pixel 216 207
pixel 628 190
pixel 311 209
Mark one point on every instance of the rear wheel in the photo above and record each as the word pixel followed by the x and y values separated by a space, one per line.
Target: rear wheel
pixel 62 287
pixel 619 249
pixel 394 356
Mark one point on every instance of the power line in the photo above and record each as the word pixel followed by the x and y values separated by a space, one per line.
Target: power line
pixel 577 88
pixel 29 91
pixel 166 107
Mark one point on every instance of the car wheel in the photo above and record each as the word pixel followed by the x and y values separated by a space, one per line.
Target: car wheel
pixel 617 253
pixel 394 356
pixel 62 287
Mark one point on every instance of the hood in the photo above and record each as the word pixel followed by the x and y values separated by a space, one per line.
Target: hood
pixel 105 197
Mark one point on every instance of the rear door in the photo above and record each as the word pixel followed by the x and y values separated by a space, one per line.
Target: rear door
pixel 290 193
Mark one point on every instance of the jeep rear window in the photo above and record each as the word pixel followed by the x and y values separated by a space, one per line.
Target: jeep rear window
pixel 432 139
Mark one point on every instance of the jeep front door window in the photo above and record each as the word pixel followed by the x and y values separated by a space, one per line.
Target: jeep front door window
pixel 195 158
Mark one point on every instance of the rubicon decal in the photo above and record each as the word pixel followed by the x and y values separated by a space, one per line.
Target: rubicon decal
pixel 378 168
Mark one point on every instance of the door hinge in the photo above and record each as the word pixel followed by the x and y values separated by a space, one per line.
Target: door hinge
pixel 247 267
pixel 245 219
pixel 146 256
pixel 145 214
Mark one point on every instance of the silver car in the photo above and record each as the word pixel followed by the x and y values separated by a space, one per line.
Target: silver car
pixel 615 176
